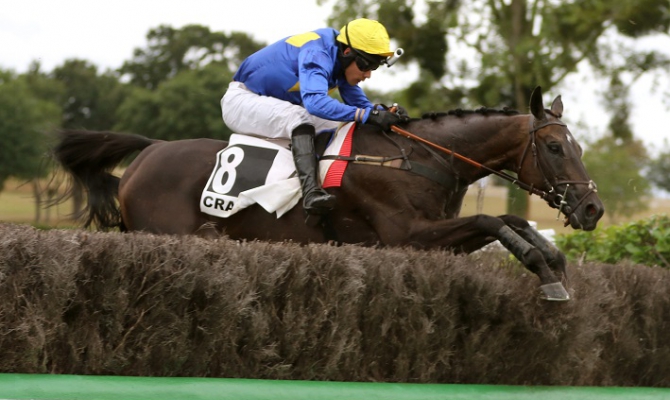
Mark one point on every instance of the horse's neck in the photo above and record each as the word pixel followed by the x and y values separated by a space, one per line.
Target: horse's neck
pixel 496 141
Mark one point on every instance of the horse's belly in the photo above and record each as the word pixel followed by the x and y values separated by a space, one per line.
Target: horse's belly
pixel 255 223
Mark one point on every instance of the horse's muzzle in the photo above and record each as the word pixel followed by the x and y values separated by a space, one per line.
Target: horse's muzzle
pixel 587 215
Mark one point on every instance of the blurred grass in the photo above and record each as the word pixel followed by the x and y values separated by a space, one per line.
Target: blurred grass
pixel 17 205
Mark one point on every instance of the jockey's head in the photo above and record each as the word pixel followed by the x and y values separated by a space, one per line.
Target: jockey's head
pixel 369 43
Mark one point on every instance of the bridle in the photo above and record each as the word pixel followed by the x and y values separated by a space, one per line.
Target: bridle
pixel 552 197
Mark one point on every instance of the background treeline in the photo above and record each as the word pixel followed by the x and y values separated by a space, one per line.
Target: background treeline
pixel 469 53
pixel 79 302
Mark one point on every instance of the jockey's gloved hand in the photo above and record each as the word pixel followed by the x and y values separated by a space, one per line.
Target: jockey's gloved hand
pixel 383 119
pixel 402 113
pixel 400 110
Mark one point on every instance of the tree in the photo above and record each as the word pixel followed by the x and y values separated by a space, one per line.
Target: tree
pixel 89 100
pixel 24 121
pixel 186 106
pixel 616 161
pixel 499 50
pixel 659 168
pixel 178 82
pixel 171 51
pixel 615 165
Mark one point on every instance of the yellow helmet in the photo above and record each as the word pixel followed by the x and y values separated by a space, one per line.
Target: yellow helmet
pixel 366 35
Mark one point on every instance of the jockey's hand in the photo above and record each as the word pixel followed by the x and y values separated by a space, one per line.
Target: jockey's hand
pixel 402 113
pixel 383 119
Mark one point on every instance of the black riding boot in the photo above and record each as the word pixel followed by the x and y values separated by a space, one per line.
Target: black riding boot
pixel 315 199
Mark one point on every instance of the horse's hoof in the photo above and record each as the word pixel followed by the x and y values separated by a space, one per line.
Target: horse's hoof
pixel 554 292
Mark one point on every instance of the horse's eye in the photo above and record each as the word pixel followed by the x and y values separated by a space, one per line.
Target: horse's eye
pixel 554 147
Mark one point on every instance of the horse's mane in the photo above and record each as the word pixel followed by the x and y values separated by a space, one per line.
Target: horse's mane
pixel 463 113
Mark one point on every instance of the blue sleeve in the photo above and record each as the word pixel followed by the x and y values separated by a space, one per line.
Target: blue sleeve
pixel 314 73
pixel 355 96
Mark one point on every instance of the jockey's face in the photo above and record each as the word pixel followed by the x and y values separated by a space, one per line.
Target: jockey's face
pixel 353 74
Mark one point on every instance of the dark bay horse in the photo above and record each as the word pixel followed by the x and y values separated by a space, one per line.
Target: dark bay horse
pixel 160 191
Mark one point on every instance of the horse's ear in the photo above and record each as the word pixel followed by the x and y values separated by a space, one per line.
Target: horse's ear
pixel 557 106
pixel 536 105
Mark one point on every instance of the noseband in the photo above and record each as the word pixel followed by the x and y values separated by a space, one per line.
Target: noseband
pixel 554 198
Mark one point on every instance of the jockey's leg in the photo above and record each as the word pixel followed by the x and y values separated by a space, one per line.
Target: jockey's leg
pixel 315 199
pixel 247 113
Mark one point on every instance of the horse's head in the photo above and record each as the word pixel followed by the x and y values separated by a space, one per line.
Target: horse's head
pixel 552 163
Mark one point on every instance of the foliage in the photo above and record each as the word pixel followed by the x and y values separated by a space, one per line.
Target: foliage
pixel 178 82
pixel 659 168
pixel 24 120
pixel 186 106
pixel 636 18
pixel 43 85
pixel 171 51
pixel 90 100
pixel 644 242
pixel 506 48
pixel 616 165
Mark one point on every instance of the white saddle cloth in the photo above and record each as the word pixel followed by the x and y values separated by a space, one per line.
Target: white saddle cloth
pixel 254 170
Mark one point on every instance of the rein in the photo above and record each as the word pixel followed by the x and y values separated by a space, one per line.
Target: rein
pixel 529 188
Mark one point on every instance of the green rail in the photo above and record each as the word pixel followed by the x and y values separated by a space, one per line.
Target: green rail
pixel 78 387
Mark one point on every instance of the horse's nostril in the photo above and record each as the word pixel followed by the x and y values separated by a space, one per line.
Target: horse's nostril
pixel 592 211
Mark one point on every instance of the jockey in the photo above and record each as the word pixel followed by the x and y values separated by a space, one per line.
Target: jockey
pixel 282 91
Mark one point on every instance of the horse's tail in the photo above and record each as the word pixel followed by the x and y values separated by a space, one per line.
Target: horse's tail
pixel 89 157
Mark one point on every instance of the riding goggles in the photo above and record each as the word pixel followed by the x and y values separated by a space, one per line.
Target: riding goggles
pixel 366 62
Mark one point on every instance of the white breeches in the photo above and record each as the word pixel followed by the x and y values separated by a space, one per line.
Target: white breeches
pixel 248 113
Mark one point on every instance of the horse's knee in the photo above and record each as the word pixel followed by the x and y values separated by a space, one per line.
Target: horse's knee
pixel 514 221
pixel 530 256
pixel 555 258
pixel 488 224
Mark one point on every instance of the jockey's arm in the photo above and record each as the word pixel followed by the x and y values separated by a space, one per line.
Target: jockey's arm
pixel 314 86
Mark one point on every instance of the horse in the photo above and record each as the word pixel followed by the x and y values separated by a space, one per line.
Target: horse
pixel 416 204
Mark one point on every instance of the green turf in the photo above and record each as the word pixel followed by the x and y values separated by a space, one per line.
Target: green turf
pixel 61 387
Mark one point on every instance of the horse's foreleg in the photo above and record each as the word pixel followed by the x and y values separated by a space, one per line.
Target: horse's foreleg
pixel 533 258
pixel 554 257
pixel 471 233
